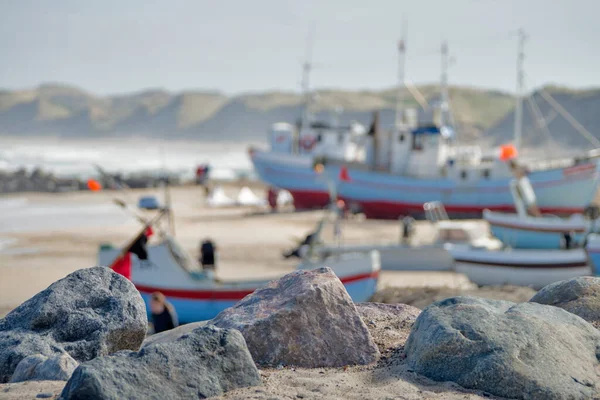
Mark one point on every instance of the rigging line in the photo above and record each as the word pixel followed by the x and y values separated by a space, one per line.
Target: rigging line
pixel 540 122
pixel 566 115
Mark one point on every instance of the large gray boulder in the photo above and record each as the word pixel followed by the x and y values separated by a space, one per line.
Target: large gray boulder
pixel 89 313
pixel 205 362
pixel 523 351
pixel 305 319
pixel 388 324
pixel 42 368
pixel 580 296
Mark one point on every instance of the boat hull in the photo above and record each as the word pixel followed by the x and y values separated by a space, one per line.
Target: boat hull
pixel 295 174
pixel 400 257
pixel 197 296
pixel 536 232
pixel 386 196
pixel 534 268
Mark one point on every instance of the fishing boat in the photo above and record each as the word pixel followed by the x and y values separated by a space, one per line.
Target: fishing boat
pixel 195 292
pixel 197 295
pixel 523 267
pixel 418 162
pixel 530 229
pixel 406 255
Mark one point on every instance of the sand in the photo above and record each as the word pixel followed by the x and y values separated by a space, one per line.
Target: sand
pixel 250 243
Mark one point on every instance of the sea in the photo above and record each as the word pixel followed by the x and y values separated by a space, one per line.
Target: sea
pixel 77 157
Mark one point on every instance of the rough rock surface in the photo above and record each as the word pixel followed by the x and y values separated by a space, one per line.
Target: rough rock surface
pixel 389 324
pixel 205 362
pixel 304 319
pixel 89 313
pixel 42 368
pixel 172 334
pixel 524 351
pixel 579 296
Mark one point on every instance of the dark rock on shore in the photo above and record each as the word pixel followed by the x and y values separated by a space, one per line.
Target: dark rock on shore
pixel 523 351
pixel 205 362
pixel 389 324
pixel 42 368
pixel 90 313
pixel 304 319
pixel 579 296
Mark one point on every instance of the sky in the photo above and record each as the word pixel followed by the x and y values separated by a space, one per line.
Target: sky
pixel 118 46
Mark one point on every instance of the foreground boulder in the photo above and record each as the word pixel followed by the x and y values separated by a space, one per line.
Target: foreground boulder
pixel 305 319
pixel 42 368
pixel 205 362
pixel 389 324
pixel 524 351
pixel 580 296
pixel 89 313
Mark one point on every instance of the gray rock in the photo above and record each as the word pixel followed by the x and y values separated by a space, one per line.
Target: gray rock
pixel 45 395
pixel 305 319
pixel 172 334
pixel 41 368
pixel 579 296
pixel 389 324
pixel 524 351
pixel 205 362
pixel 89 313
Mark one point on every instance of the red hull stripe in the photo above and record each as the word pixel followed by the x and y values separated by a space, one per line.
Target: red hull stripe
pixel 232 295
pixel 523 265
pixel 384 209
pixel 536 229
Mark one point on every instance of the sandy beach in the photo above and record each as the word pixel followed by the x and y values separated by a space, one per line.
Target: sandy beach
pixel 48 236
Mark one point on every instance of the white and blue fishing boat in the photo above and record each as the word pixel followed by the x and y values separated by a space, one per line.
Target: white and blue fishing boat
pixel 197 295
pixel 530 229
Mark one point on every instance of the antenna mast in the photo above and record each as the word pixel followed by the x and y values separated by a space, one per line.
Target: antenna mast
pixel 306 68
pixel 401 78
pixel 519 94
pixel 444 84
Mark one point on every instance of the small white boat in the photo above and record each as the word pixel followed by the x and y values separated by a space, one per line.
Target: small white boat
pixel 423 257
pixel 523 267
pixel 527 230
pixel 197 295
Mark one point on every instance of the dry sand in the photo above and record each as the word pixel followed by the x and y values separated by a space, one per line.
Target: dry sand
pixel 250 243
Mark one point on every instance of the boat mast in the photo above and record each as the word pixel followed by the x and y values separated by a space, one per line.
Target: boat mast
pixel 401 79
pixel 444 84
pixel 519 94
pixel 306 68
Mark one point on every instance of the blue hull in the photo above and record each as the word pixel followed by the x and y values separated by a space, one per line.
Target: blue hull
pixel 522 239
pixel 192 310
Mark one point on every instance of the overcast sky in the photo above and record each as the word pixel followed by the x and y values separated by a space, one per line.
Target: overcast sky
pixel 114 46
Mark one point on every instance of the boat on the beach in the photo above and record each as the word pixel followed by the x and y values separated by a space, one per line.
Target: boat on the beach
pixel 421 161
pixel 198 295
pixel 522 267
pixel 406 255
pixel 530 229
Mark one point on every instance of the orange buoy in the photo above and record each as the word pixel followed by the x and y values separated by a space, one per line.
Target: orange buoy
pixel 508 152
pixel 94 185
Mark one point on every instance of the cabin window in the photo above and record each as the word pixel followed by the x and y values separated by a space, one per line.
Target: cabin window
pixel 340 138
pixel 417 142
pixel 463 175
pixel 319 137
pixel 486 173
pixel 401 138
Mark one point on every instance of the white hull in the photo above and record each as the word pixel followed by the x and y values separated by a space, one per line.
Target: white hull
pixel 534 268
pixel 399 257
